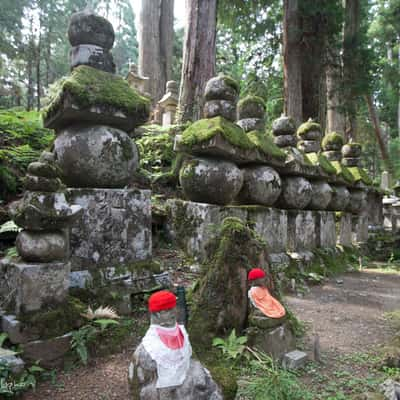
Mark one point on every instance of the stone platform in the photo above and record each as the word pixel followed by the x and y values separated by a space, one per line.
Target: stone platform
pixel 190 224
pixel 114 229
pixel 27 287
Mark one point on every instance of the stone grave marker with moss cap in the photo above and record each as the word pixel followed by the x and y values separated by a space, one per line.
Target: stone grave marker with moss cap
pixel 284 130
pixel 251 114
pixel 309 134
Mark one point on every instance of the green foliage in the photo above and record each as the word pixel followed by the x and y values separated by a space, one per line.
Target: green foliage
pixel 233 346
pixel 80 341
pixel 9 226
pixel 91 87
pixel 104 323
pixel 11 386
pixel 22 139
pixel 267 381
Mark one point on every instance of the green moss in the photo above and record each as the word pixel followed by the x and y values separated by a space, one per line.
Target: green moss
pixel 360 175
pixel 306 127
pixel 251 100
pixel 332 138
pixel 321 161
pixel 266 145
pixel 343 172
pixel 56 320
pixel 206 129
pixel 91 87
pixel 230 82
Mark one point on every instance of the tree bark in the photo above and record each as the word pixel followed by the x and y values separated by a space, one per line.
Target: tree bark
pixel 198 57
pixel 377 129
pixel 293 104
pixel 350 62
pixel 156 32
pixel 335 119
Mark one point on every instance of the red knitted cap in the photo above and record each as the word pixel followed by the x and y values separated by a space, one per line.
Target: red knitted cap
pixel 162 300
pixel 256 273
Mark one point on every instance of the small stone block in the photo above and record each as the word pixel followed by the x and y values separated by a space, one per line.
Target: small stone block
pixel 15 330
pixel 295 359
pixel 14 363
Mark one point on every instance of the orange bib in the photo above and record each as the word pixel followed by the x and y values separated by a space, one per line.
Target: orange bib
pixel 269 306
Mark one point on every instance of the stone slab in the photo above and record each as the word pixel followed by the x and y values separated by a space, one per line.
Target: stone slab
pixel 194 225
pixel 272 225
pixel 15 330
pixel 326 229
pixel 360 228
pixel 301 230
pixel 294 359
pixel 113 230
pixel 344 229
pixel 275 342
pixel 27 287
pixel 49 352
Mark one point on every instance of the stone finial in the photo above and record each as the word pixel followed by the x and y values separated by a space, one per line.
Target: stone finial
pixel 351 153
pixel 284 130
pixel 169 103
pixel 92 38
pixel 221 93
pixel 309 135
pixel 172 86
pixel 251 113
pixel 331 146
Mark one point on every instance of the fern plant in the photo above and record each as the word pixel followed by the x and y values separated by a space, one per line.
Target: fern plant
pixel 233 347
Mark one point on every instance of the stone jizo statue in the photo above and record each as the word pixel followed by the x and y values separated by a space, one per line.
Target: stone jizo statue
pixel 260 296
pixel 162 365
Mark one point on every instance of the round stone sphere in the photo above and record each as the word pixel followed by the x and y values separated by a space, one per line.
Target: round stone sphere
pixel 221 88
pixel 340 198
pixel 261 185
pixel 96 156
pixel 88 28
pixel 223 108
pixel 283 126
pixel 251 107
pixel 358 201
pixel 206 180
pixel 35 246
pixel 321 196
pixel 296 193
pixel 351 150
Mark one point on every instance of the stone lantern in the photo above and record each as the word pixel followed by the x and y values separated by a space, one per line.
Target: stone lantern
pixel 169 103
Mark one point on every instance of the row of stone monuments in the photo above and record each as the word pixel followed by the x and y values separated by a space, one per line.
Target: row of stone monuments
pixel 238 170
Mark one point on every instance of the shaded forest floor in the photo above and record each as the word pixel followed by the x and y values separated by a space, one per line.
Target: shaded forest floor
pixel 347 312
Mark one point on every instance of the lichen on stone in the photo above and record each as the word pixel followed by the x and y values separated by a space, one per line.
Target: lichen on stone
pixel 343 172
pixel 360 175
pixel 332 138
pixel 230 82
pixel 250 100
pixel 206 129
pixel 308 126
pixel 91 87
pixel 321 161
pixel 266 144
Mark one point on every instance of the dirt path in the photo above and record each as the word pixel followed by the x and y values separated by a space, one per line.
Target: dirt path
pixel 346 312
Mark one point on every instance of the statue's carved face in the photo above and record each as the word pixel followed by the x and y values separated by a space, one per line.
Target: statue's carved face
pixel 166 318
pixel 259 282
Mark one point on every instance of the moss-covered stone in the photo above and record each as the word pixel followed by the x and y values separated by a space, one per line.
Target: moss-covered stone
pixel 206 129
pixel 266 145
pixel 332 141
pixel 57 320
pixel 360 175
pixel 343 172
pixel 251 107
pixel 89 87
pixel 321 161
pixel 306 127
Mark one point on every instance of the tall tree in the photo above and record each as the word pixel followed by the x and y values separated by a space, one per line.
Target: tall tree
pixel 198 56
pixel 156 44
pixel 292 65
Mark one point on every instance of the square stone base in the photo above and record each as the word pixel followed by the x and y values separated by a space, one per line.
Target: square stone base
pixel 302 233
pixel 344 229
pixel 114 229
pixel 27 287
